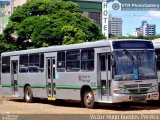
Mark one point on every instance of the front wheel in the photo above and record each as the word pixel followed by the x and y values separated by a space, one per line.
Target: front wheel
pixel 28 94
pixel 89 101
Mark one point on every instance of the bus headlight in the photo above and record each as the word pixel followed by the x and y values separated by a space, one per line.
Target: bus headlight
pixel 153 88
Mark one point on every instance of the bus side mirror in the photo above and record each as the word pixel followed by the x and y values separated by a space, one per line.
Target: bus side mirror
pixel 156 57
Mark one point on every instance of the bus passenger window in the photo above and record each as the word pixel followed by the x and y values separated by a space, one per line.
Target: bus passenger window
pixel 23 68
pixel 61 61
pixel 34 63
pixel 5 64
pixel 42 62
pixel 73 60
pixel 87 60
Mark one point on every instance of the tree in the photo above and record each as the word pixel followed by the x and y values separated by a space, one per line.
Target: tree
pixel 149 37
pixel 4 47
pixel 50 22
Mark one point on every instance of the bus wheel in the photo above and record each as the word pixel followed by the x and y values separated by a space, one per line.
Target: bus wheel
pixel 89 101
pixel 28 94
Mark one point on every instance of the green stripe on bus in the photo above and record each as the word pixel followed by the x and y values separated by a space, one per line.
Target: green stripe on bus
pixel 20 85
pixel 6 85
pixel 38 86
pixel 33 86
pixel 79 87
pixel 58 86
pixel 67 87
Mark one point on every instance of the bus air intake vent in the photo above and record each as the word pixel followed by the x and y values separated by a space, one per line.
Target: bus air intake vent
pixel 138 88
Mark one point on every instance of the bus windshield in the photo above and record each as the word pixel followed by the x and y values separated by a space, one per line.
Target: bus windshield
pixel 134 64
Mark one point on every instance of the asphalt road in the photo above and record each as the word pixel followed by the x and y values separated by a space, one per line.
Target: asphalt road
pixel 69 110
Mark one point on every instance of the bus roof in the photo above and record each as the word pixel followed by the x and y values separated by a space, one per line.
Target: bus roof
pixel 156 43
pixel 99 43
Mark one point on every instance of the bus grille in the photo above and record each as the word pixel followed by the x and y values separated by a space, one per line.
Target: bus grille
pixel 140 97
pixel 138 88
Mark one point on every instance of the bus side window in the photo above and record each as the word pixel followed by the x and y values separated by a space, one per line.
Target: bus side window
pixel 23 68
pixel 61 60
pixel 87 59
pixel 73 60
pixel 5 64
pixel 42 62
pixel 34 63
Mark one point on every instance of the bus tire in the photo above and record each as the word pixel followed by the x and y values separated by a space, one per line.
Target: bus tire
pixel 28 94
pixel 88 99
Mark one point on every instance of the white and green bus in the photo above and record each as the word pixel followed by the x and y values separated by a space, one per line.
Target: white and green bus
pixel 104 71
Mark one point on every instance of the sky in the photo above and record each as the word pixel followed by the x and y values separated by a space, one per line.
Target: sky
pixel 133 19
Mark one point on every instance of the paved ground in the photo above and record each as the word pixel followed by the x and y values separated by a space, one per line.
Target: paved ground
pixel 45 109
pixel 17 106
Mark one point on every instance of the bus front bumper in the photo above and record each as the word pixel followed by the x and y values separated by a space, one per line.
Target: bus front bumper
pixel 134 97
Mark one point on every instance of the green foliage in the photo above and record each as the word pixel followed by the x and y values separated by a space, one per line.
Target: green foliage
pixel 4 47
pixel 72 35
pixel 49 22
pixel 151 37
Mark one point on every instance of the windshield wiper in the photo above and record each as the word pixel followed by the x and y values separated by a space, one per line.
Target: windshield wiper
pixel 129 55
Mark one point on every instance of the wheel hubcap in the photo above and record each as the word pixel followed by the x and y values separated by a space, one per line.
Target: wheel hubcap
pixel 89 99
pixel 28 95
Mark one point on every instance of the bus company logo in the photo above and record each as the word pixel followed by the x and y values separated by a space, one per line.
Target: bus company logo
pixel 84 78
pixel 9 116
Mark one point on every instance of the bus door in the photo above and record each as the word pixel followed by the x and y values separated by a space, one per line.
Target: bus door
pixel 105 75
pixel 50 76
pixel 14 76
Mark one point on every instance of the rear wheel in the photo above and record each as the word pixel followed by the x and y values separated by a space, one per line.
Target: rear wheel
pixel 89 101
pixel 28 94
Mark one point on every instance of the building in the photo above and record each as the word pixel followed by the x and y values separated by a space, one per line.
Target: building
pixel 137 32
pixel 145 29
pixel 149 29
pixel 3 16
pixel 115 26
pixel 7 11
pixel 93 10
pixel 13 5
